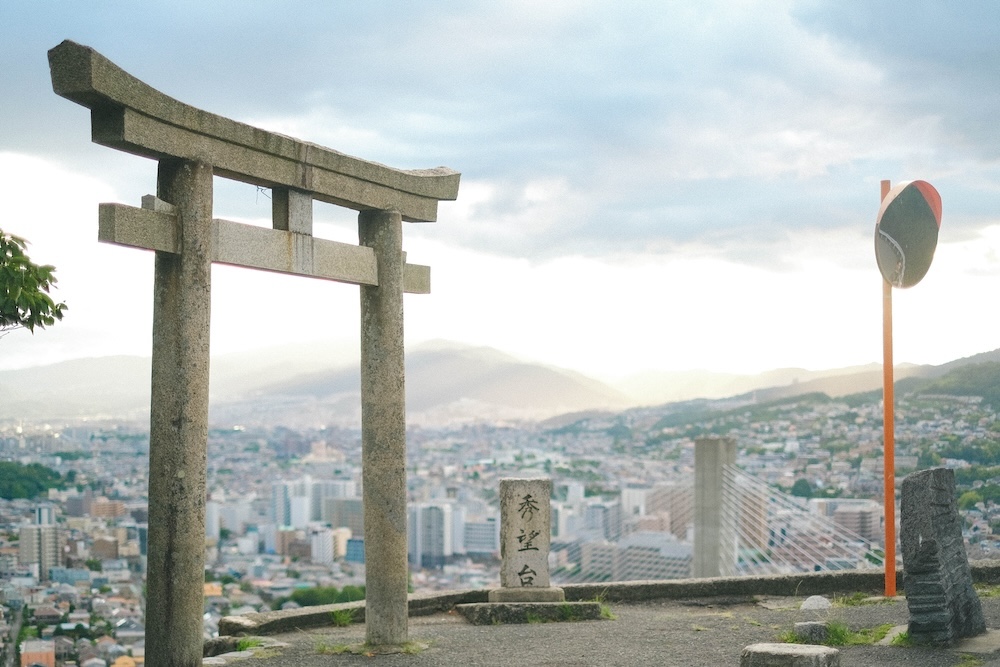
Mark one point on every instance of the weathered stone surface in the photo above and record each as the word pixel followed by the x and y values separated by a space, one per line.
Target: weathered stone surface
pixel 238 625
pixel 525 532
pixel 253 247
pixel 526 594
pixel 178 424
pixel 236 655
pixel 794 585
pixel 789 655
pixel 383 432
pixel 943 605
pixel 219 645
pixel 816 602
pixel 813 632
pixel 130 115
pixel 529 612
pixel 292 211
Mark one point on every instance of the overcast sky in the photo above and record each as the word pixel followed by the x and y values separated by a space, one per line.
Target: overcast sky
pixel 645 185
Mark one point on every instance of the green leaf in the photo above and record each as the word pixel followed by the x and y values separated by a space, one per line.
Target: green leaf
pixel 24 288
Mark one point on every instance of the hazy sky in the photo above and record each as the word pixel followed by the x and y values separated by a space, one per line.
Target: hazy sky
pixel 645 185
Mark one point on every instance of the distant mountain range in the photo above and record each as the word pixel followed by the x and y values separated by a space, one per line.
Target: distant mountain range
pixel 663 387
pixel 315 385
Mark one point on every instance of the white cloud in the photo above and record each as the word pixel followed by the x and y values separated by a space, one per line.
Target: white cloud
pixel 644 184
pixel 108 290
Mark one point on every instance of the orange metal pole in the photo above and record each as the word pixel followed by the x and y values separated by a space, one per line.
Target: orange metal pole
pixel 889 427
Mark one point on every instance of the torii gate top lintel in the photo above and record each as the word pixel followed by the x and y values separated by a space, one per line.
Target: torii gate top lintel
pixel 132 116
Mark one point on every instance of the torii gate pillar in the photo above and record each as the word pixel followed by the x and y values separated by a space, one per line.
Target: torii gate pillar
pixel 178 418
pixel 383 430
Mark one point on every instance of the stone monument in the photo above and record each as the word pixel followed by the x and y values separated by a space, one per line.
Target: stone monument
pixel 192 146
pixel 526 594
pixel 943 605
pixel 525 534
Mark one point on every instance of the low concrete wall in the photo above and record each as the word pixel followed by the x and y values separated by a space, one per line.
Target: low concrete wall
pixel 273 622
pixel 816 583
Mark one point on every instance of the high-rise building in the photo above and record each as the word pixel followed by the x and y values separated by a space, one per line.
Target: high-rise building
pixel 79 504
pixel 40 548
pixel 566 520
pixel 430 534
pixel 651 556
pixel 322 489
pixel 355 551
pixel 284 540
pixel 45 515
pixel 268 533
pixel 235 515
pixel 597 560
pixel 605 518
pixel 633 502
pixel 104 508
pixel 575 492
pixel 281 510
pixel 457 528
pixel 345 513
pixel 678 501
pixel 482 537
pixel 863 520
pixel 297 502
pixel 322 547
pixel 299 511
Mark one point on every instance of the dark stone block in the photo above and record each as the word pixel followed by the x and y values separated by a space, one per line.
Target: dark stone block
pixel 812 632
pixel 502 613
pixel 219 645
pixel 943 604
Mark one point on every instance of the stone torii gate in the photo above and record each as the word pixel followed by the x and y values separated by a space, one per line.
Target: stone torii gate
pixel 190 147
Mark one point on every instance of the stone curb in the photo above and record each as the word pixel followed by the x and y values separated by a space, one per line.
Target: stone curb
pixel 813 583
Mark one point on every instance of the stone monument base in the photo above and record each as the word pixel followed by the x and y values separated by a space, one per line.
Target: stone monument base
pixel 499 613
pixel 527 594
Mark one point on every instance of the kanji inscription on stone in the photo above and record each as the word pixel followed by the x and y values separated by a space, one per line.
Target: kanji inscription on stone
pixel 525 530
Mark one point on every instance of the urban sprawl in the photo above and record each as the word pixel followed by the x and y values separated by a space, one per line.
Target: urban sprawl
pixel 284 512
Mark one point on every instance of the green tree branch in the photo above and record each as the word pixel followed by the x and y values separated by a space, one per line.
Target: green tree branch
pixel 24 289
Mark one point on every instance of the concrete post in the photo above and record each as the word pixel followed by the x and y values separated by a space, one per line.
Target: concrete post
pixel 178 425
pixel 710 457
pixel 383 432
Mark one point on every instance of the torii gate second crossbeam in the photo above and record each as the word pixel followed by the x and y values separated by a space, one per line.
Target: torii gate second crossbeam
pixel 191 146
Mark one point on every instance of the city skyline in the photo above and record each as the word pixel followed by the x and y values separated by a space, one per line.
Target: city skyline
pixel 645 187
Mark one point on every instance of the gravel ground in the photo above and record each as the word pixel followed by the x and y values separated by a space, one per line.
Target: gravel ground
pixel 706 632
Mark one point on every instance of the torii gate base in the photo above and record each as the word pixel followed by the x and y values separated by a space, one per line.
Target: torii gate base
pixel 191 147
